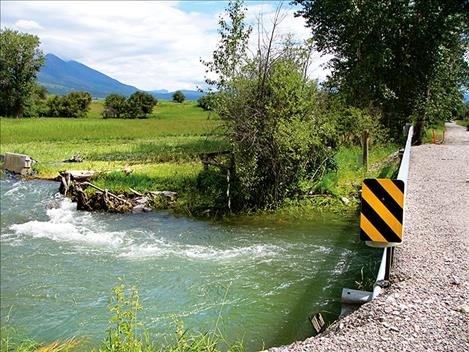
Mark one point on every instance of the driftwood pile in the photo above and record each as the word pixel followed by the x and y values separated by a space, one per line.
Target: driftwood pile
pixel 73 184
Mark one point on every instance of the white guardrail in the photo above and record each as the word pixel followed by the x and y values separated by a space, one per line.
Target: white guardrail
pixel 352 299
pixel 386 259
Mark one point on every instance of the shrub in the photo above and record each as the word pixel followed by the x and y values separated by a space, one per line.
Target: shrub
pixel 207 102
pixel 115 106
pixel 178 97
pixel 139 105
pixel 74 104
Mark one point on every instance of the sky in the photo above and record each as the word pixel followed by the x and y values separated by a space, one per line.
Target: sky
pixel 148 44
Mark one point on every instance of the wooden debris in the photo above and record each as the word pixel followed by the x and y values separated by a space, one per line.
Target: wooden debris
pixel 73 184
pixel 74 159
pixel 317 321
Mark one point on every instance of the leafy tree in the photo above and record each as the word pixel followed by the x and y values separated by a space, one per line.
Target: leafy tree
pixel 140 104
pixel 269 107
pixel 404 58
pixel 115 106
pixel 74 104
pixel 36 105
pixel 207 102
pixel 20 60
pixel 178 97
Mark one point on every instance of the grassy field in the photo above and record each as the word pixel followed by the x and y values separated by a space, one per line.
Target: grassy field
pixel 163 151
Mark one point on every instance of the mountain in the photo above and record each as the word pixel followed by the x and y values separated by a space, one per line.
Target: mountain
pixel 62 77
pixel 189 94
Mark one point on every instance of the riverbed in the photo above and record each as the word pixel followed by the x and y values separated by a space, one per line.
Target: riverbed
pixel 259 278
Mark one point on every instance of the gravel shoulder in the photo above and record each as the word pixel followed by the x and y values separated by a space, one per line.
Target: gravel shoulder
pixel 426 308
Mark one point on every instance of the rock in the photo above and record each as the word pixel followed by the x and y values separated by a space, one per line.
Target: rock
pixel 464 308
pixel 171 196
pixel 139 208
pixel 455 280
pixel 142 200
pixel 345 200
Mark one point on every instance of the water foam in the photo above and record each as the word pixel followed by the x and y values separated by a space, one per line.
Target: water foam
pixel 66 224
pixel 198 252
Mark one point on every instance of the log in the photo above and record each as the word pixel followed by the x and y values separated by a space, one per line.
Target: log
pixel 80 175
pixel 105 191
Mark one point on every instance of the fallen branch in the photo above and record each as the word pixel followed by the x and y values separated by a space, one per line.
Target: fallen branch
pixel 105 191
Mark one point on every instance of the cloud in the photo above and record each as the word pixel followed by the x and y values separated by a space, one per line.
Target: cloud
pixel 151 45
pixel 27 25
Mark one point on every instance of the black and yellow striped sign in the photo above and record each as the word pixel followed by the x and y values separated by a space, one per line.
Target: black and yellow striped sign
pixel 382 210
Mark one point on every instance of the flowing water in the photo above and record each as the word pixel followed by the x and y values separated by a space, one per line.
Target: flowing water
pixel 262 277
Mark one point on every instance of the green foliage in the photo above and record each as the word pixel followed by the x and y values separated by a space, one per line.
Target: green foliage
pixel 178 97
pixel 115 106
pixel 405 59
pixel 345 124
pixel 20 60
pixel 37 104
pixel 74 104
pixel 269 107
pixel 124 330
pixel 139 105
pixel 207 102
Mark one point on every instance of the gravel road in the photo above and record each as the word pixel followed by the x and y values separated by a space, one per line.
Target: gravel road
pixel 427 306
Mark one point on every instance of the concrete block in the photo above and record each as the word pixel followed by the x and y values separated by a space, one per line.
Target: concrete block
pixel 18 163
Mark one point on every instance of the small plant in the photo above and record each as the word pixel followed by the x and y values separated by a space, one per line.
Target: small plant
pixel 365 283
pixel 124 326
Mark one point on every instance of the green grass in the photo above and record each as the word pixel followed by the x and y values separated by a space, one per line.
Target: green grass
pixel 463 123
pixel 163 150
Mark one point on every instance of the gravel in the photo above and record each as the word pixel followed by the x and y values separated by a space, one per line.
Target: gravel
pixel 426 308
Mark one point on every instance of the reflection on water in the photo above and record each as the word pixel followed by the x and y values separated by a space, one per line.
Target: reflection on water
pixel 58 267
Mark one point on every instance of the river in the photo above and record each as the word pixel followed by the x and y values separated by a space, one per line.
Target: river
pixel 262 276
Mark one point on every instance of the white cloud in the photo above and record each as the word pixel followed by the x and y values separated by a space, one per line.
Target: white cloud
pixel 151 45
pixel 26 25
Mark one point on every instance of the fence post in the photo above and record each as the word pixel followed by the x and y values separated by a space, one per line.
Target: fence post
pixel 365 139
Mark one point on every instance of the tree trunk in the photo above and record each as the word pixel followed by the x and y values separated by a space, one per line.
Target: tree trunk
pixel 418 131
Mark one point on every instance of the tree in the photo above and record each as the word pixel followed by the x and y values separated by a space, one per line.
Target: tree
pixel 115 106
pixel 74 104
pixel 20 60
pixel 404 58
pixel 178 97
pixel 140 104
pixel 207 102
pixel 269 108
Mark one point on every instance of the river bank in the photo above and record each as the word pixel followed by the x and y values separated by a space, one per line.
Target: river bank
pixel 163 153
pixel 426 307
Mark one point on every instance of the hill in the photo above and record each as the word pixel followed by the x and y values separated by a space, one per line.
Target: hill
pixel 61 77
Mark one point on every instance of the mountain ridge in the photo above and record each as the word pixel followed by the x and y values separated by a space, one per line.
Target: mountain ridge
pixel 61 77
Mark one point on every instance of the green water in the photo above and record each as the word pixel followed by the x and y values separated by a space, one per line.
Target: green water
pixel 263 276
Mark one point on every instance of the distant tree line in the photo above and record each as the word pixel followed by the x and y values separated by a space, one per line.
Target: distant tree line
pixel 138 105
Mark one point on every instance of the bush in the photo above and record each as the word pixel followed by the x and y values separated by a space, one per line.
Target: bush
pixel 207 102
pixel 74 104
pixel 178 97
pixel 139 105
pixel 115 106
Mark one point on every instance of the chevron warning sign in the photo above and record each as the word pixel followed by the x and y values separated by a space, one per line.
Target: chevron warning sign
pixel 382 210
